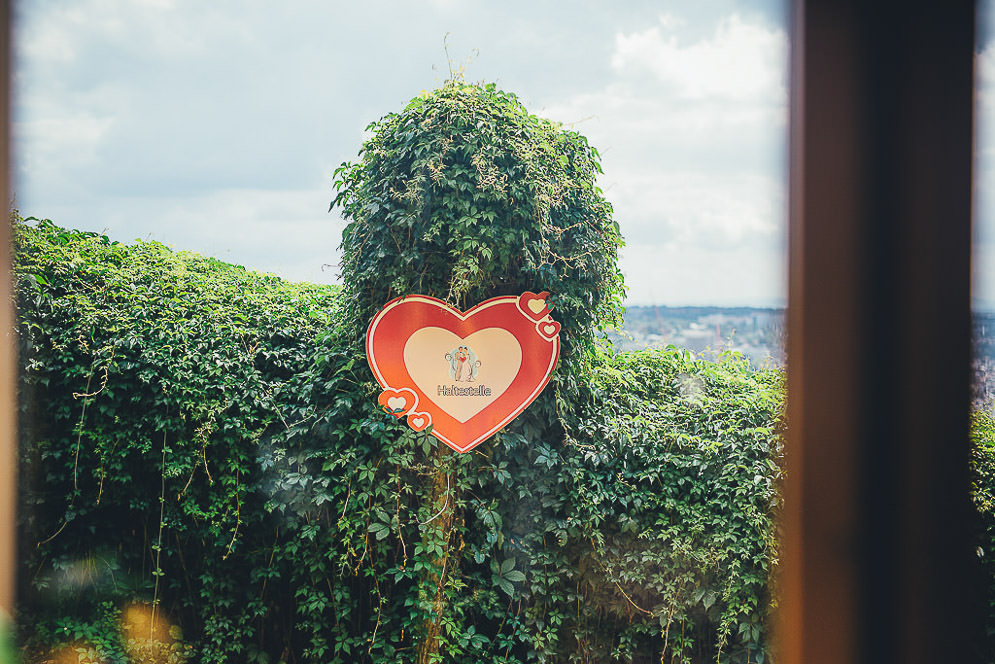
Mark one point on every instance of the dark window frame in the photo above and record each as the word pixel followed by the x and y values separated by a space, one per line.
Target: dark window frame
pixel 879 564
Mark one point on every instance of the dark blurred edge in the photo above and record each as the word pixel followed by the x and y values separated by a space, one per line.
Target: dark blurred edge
pixel 8 361
pixel 879 562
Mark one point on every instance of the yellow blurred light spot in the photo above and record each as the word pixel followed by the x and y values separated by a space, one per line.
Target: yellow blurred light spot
pixel 140 623
pixel 75 652
pixel 150 638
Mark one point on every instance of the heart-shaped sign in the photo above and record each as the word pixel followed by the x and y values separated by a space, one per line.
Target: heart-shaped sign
pixel 465 374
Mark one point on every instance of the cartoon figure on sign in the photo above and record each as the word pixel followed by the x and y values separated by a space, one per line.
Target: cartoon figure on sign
pixel 463 364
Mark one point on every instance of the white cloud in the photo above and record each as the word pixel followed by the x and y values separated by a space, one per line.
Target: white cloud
pixel 49 42
pixel 158 4
pixel 693 141
pixel 739 210
pixel 985 99
pixel 73 136
pixel 984 233
pixel 740 61
pixel 671 22
pixel 142 30
pixel 679 274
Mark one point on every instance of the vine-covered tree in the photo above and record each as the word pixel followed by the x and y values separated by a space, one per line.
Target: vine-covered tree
pixel 463 196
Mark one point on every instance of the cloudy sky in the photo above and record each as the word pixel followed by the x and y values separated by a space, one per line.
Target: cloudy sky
pixel 215 127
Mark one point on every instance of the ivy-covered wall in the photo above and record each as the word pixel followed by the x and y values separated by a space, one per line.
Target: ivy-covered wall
pixel 202 447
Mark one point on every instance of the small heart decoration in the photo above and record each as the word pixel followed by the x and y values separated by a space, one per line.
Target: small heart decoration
pixel 397 402
pixel 465 374
pixel 549 328
pixel 534 305
pixel 419 421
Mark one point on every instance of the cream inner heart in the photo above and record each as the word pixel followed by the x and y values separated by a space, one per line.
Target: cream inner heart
pixel 397 403
pixel 464 395
pixel 537 305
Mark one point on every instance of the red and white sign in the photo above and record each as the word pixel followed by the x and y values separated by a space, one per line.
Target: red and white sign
pixel 465 374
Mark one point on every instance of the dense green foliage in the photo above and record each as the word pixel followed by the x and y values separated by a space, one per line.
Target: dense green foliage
pixel 233 469
pixel 207 475
pixel 207 442
pixel 149 376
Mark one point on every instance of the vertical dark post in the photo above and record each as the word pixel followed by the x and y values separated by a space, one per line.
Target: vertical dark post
pixel 8 361
pixel 879 565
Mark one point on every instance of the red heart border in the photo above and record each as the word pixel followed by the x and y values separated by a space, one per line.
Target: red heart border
pixel 401 317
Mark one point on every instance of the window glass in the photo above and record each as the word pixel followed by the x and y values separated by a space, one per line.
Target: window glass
pixel 206 472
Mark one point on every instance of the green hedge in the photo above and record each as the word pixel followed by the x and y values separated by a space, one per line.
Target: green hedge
pixel 203 443
pixel 150 375
pixel 983 495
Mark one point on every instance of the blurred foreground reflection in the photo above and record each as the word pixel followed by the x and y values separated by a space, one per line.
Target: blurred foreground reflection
pixel 146 637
